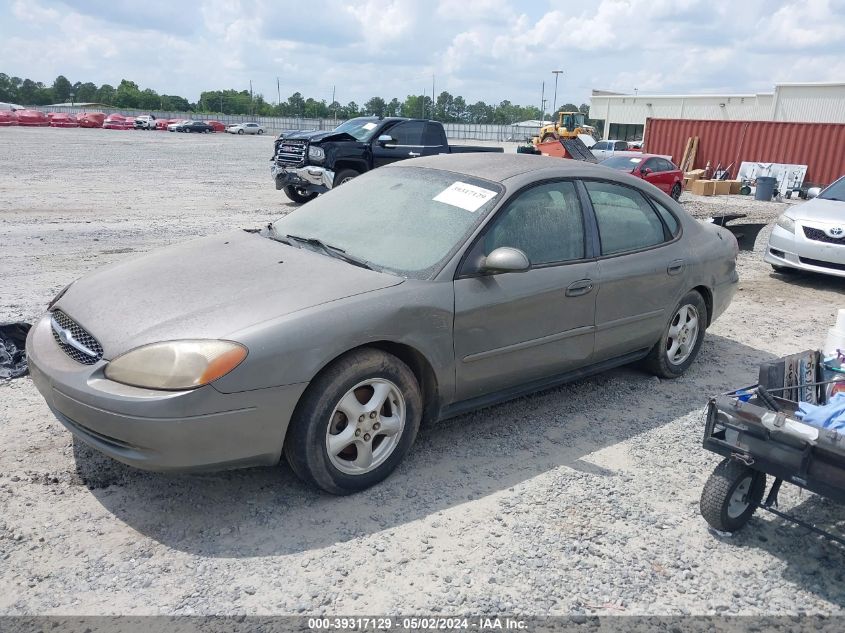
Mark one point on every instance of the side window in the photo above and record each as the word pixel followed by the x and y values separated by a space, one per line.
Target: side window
pixel 667 165
pixel 408 133
pixel 600 145
pixel 545 222
pixel 433 135
pixel 626 221
pixel 652 164
pixel 621 146
pixel 668 218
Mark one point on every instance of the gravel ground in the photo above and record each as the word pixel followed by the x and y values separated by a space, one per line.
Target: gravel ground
pixel 581 499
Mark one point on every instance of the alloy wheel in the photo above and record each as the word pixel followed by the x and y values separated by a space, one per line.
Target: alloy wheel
pixel 365 426
pixel 683 334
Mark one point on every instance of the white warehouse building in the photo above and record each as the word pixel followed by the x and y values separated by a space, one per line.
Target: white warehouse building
pixel 624 115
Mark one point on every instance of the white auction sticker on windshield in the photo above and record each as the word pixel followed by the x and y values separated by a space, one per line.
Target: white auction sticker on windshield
pixel 369 126
pixel 636 160
pixel 465 196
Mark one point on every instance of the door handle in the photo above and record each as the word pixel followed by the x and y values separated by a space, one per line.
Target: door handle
pixel 413 154
pixel 580 287
pixel 676 267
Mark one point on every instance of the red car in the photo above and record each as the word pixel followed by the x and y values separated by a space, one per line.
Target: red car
pixel 91 119
pixel 63 119
pixel 217 125
pixel 32 118
pixel 119 122
pixel 658 170
pixel 8 118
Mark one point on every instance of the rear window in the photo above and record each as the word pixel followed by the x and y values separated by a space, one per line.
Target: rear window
pixel 668 217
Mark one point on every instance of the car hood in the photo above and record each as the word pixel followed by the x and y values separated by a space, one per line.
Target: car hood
pixel 209 288
pixel 315 136
pixel 820 210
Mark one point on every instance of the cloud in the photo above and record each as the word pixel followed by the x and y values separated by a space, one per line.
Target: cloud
pixel 487 50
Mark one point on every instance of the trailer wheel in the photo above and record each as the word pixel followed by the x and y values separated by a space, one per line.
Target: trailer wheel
pixel 731 495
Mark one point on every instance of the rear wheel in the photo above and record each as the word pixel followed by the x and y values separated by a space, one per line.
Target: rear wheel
pixel 676 191
pixel 355 423
pixel 240 131
pixel 298 194
pixel 260 132
pixel 677 348
pixel 731 495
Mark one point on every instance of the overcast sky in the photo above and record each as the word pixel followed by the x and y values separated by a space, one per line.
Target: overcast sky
pixel 482 49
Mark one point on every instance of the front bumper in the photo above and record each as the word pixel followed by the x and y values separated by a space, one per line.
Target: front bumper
pixel 795 250
pixel 313 178
pixel 198 429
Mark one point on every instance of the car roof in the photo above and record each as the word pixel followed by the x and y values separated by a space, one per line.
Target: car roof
pixel 501 167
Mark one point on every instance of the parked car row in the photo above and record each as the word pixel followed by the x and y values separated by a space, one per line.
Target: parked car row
pixel 36 118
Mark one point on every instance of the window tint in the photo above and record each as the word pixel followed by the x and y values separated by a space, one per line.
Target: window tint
pixel 668 218
pixel 545 222
pixel 668 165
pixel 600 145
pixel 408 133
pixel 651 164
pixel 626 221
pixel 433 134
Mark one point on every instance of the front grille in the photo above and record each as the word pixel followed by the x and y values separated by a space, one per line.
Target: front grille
pixel 820 236
pixel 80 335
pixel 291 153
pixel 821 264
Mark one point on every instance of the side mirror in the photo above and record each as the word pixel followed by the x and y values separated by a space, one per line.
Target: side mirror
pixel 506 260
pixel 813 192
pixel 386 139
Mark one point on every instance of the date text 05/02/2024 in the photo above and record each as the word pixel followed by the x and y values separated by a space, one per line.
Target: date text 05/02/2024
pixel 417 623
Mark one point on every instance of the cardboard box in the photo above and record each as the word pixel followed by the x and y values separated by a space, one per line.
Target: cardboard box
pixel 736 185
pixel 703 187
pixel 695 174
pixel 721 187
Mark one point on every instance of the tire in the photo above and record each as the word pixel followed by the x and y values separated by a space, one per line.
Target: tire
pixel 260 132
pixel 298 195
pixel 687 338
pixel 240 131
pixel 318 418
pixel 735 482
pixel 676 191
pixel 343 176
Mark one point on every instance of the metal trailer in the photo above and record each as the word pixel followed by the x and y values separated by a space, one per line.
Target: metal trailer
pixel 758 435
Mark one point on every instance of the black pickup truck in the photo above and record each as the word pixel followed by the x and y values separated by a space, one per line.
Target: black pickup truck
pixel 308 163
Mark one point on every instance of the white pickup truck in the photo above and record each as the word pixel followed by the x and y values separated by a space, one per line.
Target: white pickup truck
pixel 606 149
pixel 145 122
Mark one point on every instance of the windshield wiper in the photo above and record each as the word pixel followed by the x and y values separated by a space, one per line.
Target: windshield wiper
pixel 331 251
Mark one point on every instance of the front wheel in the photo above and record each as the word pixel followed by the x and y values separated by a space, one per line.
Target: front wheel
pixel 677 348
pixel 676 191
pixel 355 423
pixel 344 176
pixel 731 495
pixel 298 195
pixel 260 132
pixel 240 131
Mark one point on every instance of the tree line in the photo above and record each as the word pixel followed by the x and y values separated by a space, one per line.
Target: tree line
pixel 446 107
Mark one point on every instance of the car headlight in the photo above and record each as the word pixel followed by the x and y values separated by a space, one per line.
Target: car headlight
pixel 786 223
pixel 176 365
pixel 316 153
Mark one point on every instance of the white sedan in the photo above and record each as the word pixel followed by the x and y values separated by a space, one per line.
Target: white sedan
pixel 811 236
pixel 245 128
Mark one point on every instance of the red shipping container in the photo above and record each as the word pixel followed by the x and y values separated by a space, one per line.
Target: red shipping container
pixel 817 145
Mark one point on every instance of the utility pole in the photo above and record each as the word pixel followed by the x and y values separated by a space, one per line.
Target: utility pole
pixel 251 105
pixel 335 107
pixel 543 103
pixel 433 98
pixel 554 103
pixel 278 92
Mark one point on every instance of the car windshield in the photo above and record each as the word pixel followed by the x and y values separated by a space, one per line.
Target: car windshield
pixel 623 163
pixel 362 129
pixel 403 220
pixel 836 191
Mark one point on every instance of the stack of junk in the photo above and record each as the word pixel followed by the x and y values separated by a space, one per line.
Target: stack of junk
pixel 829 412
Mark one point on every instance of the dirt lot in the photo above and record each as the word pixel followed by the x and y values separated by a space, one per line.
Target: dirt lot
pixel 582 499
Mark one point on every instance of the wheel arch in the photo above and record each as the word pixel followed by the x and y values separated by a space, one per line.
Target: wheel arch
pixel 417 362
pixel 707 295
pixel 355 165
